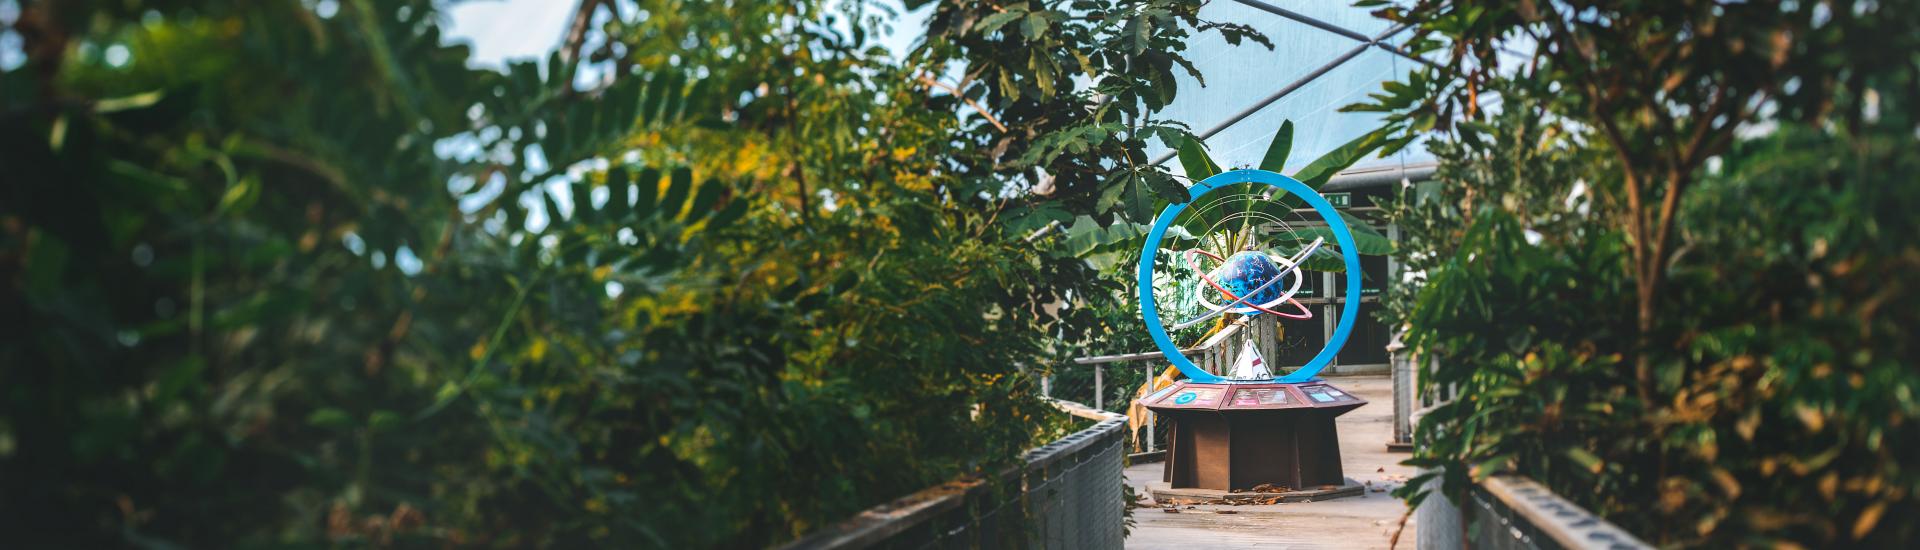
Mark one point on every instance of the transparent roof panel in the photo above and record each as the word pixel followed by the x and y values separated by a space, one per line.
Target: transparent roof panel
pixel 1318 124
pixel 1338 13
pixel 1241 77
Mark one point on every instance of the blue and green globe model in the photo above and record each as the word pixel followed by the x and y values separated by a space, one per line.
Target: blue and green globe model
pixel 1247 272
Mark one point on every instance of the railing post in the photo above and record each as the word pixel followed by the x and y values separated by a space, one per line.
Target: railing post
pixel 1150 433
pixel 1046 385
pixel 1402 367
pixel 1099 387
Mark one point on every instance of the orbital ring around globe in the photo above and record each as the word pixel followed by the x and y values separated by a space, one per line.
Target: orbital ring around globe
pixel 1240 304
pixel 1244 303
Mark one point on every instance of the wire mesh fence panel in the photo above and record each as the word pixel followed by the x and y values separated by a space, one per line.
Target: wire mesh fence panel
pixel 1069 495
pixel 1101 481
pixel 1076 497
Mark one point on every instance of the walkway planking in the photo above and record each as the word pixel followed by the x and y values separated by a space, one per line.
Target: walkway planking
pixel 1358 522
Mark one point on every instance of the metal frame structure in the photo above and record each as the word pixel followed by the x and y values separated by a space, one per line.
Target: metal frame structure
pixel 1375 41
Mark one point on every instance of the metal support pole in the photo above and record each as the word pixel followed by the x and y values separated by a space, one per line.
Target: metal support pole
pixel 1046 385
pixel 1402 391
pixel 1329 317
pixel 1099 387
pixel 1150 433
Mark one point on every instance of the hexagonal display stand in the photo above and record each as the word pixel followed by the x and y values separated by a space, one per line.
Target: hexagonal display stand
pixel 1236 436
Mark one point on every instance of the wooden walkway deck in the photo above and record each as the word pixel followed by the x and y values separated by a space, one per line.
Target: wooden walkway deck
pixel 1358 522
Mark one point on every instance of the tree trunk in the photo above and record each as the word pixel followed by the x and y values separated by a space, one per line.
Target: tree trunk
pixel 1644 293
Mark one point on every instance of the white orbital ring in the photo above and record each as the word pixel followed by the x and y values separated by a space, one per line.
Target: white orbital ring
pixel 1293 267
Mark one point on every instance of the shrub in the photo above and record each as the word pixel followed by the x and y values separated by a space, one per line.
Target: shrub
pixel 1784 405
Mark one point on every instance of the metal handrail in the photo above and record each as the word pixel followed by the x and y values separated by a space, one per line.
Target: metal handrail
pixel 893 523
pixel 1555 517
pixel 1210 344
pixel 1212 350
pixel 1212 356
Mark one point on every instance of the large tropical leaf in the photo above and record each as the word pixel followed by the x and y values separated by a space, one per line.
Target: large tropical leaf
pixel 1316 173
pixel 1193 157
pixel 1370 242
pixel 1277 152
pixel 1086 236
pixel 1133 194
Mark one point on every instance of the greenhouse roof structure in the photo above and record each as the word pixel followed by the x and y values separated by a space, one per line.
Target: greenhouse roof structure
pixel 1325 55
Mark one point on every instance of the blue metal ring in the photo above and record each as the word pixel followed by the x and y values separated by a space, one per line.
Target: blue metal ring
pixel 1349 251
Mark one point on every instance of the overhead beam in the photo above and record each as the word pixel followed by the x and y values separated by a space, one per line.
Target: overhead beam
pixel 1303 18
pixel 1284 91
pixel 1335 29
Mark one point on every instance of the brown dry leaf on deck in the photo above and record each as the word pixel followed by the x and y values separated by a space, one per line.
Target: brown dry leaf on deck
pixel 1269 488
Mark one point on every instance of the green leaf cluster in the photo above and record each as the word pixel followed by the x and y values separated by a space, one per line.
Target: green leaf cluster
pixel 715 275
pixel 1779 403
pixel 1082 80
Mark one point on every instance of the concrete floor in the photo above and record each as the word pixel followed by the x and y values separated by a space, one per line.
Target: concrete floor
pixel 1357 522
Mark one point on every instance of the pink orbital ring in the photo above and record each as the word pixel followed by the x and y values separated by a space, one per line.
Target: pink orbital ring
pixel 1233 299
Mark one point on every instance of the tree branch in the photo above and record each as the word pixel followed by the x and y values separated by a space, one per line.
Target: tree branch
pixel 1686 160
pixel 1645 263
pixel 576 38
pixel 970 103
pixel 1601 110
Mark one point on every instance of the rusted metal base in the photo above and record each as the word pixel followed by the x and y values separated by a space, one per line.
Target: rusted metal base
pixel 1238 437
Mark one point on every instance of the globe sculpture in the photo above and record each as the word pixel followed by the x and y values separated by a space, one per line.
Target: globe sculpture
pixel 1231 251
pixel 1247 279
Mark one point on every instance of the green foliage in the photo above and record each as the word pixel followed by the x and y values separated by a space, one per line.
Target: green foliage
pixel 1523 166
pixel 1662 87
pixel 1772 400
pixel 1783 403
pixel 287 278
pixel 1082 78
pixel 1276 158
pixel 1224 228
pixel 1195 161
pixel 1316 173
